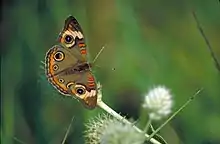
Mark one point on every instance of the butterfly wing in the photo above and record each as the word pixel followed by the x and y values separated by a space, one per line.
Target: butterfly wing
pixel 70 76
pixel 57 61
pixel 72 37
pixel 85 89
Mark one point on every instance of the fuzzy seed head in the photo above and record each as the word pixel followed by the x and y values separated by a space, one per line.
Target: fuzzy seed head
pixel 159 102
pixel 120 133
pixel 95 127
pixel 108 130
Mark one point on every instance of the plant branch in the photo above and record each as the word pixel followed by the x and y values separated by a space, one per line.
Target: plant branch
pixel 68 130
pixel 148 125
pixel 19 141
pixel 174 114
pixel 206 41
pixel 110 111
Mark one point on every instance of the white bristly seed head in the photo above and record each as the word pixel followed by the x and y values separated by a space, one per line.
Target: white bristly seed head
pixel 158 102
pixel 108 130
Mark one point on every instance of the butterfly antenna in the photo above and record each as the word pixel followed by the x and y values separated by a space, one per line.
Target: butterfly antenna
pixel 98 54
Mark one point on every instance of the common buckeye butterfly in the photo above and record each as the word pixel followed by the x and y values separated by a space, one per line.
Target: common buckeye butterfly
pixel 67 67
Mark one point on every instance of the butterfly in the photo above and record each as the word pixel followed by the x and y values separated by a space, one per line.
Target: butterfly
pixel 67 67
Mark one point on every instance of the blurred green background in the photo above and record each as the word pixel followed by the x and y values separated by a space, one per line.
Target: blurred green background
pixel 148 42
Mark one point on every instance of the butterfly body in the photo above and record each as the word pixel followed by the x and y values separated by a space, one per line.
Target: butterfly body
pixel 67 67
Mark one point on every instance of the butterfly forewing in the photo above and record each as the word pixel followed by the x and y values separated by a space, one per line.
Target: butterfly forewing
pixel 72 37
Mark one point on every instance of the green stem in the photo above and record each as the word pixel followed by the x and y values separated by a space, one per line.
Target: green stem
pixel 147 126
pixel 109 110
pixel 174 114
pixel 217 64
pixel 68 130
pixel 19 141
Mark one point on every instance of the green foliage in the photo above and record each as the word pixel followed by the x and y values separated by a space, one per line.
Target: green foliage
pixel 147 43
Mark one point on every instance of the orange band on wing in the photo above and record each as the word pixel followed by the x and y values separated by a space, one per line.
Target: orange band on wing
pixel 91 78
pixel 91 81
pixel 83 51
pixel 81 45
pixel 50 61
pixel 91 84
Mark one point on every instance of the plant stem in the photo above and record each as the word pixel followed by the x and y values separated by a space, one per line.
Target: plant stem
pixel 174 114
pixel 68 130
pixel 19 141
pixel 109 110
pixel 206 41
pixel 147 125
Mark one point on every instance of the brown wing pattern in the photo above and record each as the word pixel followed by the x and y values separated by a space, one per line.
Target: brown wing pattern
pixel 67 67
pixel 85 89
pixel 70 77
pixel 72 37
pixel 58 60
